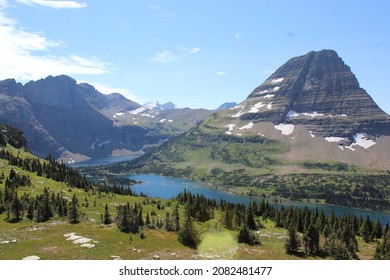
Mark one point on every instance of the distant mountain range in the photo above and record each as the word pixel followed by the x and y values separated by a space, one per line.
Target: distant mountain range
pixel 74 121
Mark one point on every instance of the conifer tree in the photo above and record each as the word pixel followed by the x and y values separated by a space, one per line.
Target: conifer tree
pixel 107 216
pixel 73 212
pixel 176 218
pixel 292 243
pixel 188 235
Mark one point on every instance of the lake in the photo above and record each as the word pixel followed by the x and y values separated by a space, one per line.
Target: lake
pixel 167 187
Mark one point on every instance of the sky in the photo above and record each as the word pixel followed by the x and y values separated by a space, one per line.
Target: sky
pixel 195 53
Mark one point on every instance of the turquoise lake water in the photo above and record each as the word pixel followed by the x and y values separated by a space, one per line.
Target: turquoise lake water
pixel 166 187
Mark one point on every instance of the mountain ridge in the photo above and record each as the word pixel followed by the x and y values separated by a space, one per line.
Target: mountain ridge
pixel 74 122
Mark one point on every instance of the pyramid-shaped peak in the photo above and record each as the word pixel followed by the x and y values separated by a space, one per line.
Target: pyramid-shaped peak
pixel 317 83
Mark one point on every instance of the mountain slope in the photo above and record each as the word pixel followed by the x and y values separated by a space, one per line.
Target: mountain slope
pixel 307 132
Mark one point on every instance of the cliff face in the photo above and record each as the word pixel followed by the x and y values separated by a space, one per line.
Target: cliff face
pixel 319 91
pixel 64 119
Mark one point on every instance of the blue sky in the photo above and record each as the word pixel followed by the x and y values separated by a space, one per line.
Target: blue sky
pixel 193 53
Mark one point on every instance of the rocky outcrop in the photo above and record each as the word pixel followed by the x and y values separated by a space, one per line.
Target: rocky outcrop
pixel 320 91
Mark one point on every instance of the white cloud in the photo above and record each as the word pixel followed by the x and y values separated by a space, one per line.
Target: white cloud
pixel 221 73
pixel 3 3
pixel 125 92
pixel 164 57
pixel 167 56
pixel 55 4
pixel 19 60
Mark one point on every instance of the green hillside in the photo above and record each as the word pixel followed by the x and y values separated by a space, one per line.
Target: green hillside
pixel 49 211
pixel 256 165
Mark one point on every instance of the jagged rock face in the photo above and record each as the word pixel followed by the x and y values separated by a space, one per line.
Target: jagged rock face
pixel 319 91
pixel 65 119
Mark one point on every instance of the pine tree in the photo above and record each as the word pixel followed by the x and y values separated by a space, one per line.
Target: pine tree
pixel 365 231
pixel 188 235
pixel 249 218
pixel 292 243
pixel 176 218
pixel 73 212
pixel 382 251
pixel 147 220
pixel 107 216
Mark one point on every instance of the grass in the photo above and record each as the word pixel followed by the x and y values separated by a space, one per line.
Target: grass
pixel 47 240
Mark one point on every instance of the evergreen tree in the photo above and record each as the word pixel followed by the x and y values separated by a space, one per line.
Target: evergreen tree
pixel 188 235
pixel 16 208
pixel 147 220
pixel 292 243
pixel 376 231
pixel 311 240
pixel 107 216
pixel 365 230
pixel 382 251
pixel 249 218
pixel 73 212
pixel 248 237
pixel 176 218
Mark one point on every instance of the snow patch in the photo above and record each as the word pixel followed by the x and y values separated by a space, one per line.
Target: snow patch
pixel 269 96
pixel 238 114
pixel 333 139
pixel 148 115
pixel 248 126
pixel 269 106
pixel 138 110
pixel 311 134
pixel 362 140
pixel 256 107
pixel 103 143
pixel 293 114
pixel 235 107
pixel 228 133
pixel 277 81
pixel 286 129
pixel 231 126
pixel 163 120
pixel 93 146
pixel 313 115
pixel 118 115
pixel 276 89
pixel 170 121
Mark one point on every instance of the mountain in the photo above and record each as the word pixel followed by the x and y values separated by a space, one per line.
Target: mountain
pixel 74 121
pixel 227 105
pixel 157 106
pixel 309 131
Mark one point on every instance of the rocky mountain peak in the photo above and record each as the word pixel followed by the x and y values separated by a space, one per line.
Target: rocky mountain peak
pixel 319 90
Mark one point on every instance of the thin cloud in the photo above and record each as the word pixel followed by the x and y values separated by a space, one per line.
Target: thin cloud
pixel 166 56
pixel 3 3
pixel 237 36
pixel 55 4
pixel 18 58
pixel 221 73
pixel 124 91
